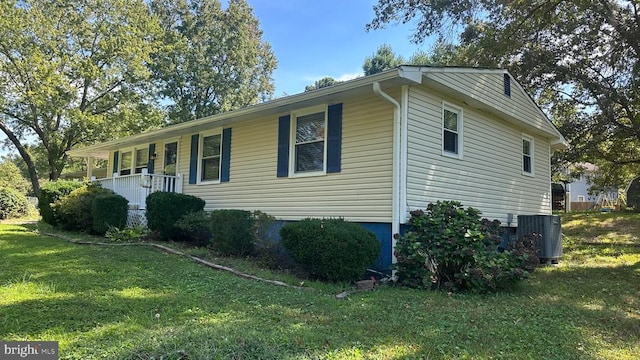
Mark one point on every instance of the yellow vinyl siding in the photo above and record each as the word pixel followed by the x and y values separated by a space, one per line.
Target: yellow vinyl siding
pixel 360 192
pixel 489 176
pixel 488 87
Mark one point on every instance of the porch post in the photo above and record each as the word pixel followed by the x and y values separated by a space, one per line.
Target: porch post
pixel 89 167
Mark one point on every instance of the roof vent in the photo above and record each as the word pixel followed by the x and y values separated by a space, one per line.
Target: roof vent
pixel 507 84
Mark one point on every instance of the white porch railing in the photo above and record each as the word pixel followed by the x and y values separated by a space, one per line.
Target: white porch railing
pixel 137 187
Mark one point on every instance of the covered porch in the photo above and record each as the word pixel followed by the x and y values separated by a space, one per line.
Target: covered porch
pixel 136 187
pixel 133 175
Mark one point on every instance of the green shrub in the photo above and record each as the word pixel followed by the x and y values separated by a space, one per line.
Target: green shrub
pixel 13 204
pixel 450 247
pixel 330 249
pixel 233 232
pixel 109 210
pixel 127 234
pixel 267 248
pixel 195 228
pixel 73 212
pixel 164 209
pixel 52 192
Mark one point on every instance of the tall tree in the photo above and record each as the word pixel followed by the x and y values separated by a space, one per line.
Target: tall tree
pixel 216 60
pixel 72 73
pixel 578 57
pixel 383 59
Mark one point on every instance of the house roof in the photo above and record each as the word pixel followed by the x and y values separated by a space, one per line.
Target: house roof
pixel 403 75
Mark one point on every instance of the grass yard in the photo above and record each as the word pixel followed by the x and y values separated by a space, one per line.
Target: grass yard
pixel 101 302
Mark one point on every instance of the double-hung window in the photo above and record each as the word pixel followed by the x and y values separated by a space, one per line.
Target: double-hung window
pixel 142 160
pixel 451 131
pixel 132 161
pixel 309 142
pixel 211 149
pixel 527 155
pixel 126 159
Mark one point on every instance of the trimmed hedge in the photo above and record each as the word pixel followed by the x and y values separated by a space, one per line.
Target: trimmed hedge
pixel 109 210
pixel 164 209
pixel 13 204
pixel 52 192
pixel 331 249
pixel 195 228
pixel 233 232
pixel 74 211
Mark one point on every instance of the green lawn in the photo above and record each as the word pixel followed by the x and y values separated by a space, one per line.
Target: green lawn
pixel 100 302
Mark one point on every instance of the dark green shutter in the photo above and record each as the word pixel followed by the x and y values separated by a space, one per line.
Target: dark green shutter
pixel 226 155
pixel 115 162
pixel 151 163
pixel 193 160
pixel 284 126
pixel 334 138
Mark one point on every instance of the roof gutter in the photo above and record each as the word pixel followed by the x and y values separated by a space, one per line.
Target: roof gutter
pixel 277 105
pixel 397 147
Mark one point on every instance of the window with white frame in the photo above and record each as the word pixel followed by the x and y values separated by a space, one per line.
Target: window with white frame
pixel 309 145
pixel 451 131
pixel 580 198
pixel 132 161
pixel 209 164
pixel 142 159
pixel 527 155
pixel 126 160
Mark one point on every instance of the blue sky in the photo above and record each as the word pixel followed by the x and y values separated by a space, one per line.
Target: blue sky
pixel 316 38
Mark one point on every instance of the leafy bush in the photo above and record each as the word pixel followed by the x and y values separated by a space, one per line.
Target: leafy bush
pixel 73 212
pixel 128 234
pixel 450 247
pixel 13 204
pixel 164 209
pixel 195 228
pixel 109 210
pixel 52 192
pixel 330 249
pixel 267 248
pixel 233 232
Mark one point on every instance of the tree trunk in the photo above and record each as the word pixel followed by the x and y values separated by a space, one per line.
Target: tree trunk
pixel 33 176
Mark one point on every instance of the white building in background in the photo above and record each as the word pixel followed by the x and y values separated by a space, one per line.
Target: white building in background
pixel 579 195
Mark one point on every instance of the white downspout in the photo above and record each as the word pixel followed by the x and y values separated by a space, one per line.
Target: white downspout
pixel 404 153
pixel 395 202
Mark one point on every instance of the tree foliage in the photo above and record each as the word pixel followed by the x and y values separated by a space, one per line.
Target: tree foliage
pixel 215 59
pixel 578 57
pixel 383 59
pixel 11 177
pixel 319 84
pixel 73 73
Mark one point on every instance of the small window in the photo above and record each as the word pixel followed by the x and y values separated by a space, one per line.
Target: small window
pixel 126 160
pixel 452 131
pixel 580 198
pixel 309 144
pixel 210 158
pixel 527 155
pixel 142 159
